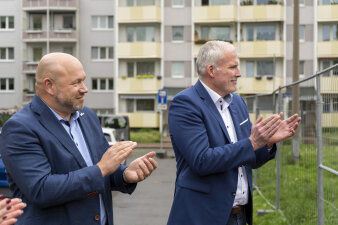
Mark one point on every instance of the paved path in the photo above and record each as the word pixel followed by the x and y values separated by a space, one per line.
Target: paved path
pixel 150 203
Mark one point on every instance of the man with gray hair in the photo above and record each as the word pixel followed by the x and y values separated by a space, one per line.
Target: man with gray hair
pixel 215 144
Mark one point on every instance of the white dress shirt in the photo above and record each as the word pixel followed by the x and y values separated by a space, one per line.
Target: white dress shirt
pixel 222 104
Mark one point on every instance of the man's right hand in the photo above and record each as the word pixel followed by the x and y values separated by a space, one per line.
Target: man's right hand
pixel 114 155
pixel 263 130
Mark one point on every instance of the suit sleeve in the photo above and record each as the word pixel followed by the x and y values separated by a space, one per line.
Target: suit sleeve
pixel 191 134
pixel 30 169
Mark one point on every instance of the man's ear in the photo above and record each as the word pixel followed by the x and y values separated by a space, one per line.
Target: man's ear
pixel 49 86
pixel 210 71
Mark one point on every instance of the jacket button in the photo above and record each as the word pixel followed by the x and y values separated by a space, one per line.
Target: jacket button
pixel 97 217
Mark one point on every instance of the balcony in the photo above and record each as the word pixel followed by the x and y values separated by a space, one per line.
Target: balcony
pixel 139 14
pixel 127 50
pixel 252 85
pixel 54 35
pixel 29 67
pixel 261 49
pixel 327 49
pixel 27 97
pixel 327 13
pixel 131 85
pixel 328 85
pixel 257 13
pixel 143 120
pixel 51 4
pixel 330 120
pixel 198 45
pixel 214 14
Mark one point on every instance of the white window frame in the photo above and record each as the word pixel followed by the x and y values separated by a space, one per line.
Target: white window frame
pixel 7 84
pixel 174 5
pixel 177 76
pixel 7 55
pixel 98 22
pixel 177 41
pixel 302 33
pixel 7 24
pixel 98 80
pixel 99 52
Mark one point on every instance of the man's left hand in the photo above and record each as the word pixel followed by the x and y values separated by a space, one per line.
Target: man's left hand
pixel 140 168
pixel 286 129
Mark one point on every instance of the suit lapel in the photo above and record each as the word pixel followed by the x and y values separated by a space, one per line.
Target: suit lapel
pixel 50 122
pixel 87 133
pixel 235 119
pixel 210 105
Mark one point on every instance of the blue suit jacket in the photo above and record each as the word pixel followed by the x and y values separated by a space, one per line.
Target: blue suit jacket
pixel 47 171
pixel 207 164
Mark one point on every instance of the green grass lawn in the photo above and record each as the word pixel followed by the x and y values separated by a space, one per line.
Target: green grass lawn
pixel 298 187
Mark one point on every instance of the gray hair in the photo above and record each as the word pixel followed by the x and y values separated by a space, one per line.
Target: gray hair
pixel 211 53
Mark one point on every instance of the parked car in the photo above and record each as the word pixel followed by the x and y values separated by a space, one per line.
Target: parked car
pixel 109 133
pixel 119 123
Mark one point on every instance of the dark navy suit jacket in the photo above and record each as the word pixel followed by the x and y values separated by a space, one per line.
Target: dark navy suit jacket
pixel 207 164
pixel 47 171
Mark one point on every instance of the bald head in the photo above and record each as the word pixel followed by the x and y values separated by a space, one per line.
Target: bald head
pixel 54 65
pixel 211 53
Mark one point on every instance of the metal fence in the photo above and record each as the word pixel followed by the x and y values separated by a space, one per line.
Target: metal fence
pixel 304 176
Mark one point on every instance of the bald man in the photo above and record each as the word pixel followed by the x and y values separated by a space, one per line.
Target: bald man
pixel 57 158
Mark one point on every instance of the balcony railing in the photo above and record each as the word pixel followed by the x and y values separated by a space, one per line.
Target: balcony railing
pixel 139 85
pixel 144 119
pixel 52 3
pixel 222 13
pixel 327 49
pixel 139 14
pixel 139 50
pixel 327 13
pixel 41 35
pixel 29 66
pixel 252 85
pixel 272 12
pixel 261 49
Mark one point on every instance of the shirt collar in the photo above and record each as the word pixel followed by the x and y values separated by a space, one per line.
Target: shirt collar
pixel 73 117
pixel 216 97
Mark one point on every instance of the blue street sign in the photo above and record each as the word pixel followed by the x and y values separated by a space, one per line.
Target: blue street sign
pixel 162 96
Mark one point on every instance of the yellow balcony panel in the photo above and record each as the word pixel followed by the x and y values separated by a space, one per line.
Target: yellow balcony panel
pixel 253 116
pixel 329 85
pixel 330 120
pixel 207 14
pixel 327 49
pixel 143 120
pixel 139 14
pixel 139 50
pixel 252 85
pixel 327 13
pixel 261 13
pixel 131 85
pixel 198 46
pixel 261 49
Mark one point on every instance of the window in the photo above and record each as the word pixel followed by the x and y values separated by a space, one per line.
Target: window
pixel 140 2
pixel 249 33
pixel 302 33
pixel 68 50
pixel 103 22
pixel 326 33
pixel 178 3
pixel 130 105
pixel 216 33
pixel 335 104
pixel 145 68
pixel 130 69
pixel 37 22
pixel 68 22
pixel 177 69
pixel 326 64
pixel 326 105
pixel 102 84
pixel 266 32
pixel 102 53
pixel 301 68
pixel 145 105
pixel 219 2
pixel 265 68
pixel 250 66
pixel 37 54
pixel 302 2
pixel 6 22
pixel 177 33
pixel 6 54
pixel 141 33
pixel 6 84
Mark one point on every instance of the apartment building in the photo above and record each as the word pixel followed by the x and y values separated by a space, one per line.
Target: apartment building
pixel 130 49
